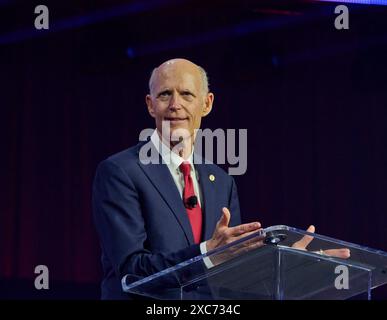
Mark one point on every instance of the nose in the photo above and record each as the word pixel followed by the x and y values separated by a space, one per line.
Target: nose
pixel 174 102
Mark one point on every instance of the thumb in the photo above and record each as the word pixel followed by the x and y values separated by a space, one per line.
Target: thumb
pixel 225 218
pixel 305 240
pixel 311 229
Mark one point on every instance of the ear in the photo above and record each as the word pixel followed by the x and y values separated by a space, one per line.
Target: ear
pixel 149 103
pixel 209 100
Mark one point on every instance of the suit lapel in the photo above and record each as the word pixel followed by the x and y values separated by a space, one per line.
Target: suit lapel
pixel 208 192
pixel 162 180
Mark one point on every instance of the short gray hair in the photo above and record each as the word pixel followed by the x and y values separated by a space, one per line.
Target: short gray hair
pixel 203 74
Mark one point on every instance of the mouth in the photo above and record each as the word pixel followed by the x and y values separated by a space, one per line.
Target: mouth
pixel 176 119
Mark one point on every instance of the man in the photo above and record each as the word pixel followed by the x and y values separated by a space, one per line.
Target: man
pixel 140 210
pixel 153 216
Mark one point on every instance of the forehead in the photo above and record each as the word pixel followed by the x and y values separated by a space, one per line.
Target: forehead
pixel 177 76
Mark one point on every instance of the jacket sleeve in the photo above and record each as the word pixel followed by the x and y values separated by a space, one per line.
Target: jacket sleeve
pixel 121 228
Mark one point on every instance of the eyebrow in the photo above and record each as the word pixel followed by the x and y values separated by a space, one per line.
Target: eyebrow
pixel 189 91
pixel 167 90
pixel 163 91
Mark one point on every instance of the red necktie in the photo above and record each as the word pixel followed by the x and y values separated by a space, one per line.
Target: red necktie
pixel 192 206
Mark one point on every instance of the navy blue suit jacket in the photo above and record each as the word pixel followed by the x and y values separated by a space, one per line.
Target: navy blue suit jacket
pixel 141 220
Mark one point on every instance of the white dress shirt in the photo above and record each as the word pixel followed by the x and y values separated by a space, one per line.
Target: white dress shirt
pixel 173 162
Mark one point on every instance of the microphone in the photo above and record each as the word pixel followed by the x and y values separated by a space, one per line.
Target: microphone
pixel 191 202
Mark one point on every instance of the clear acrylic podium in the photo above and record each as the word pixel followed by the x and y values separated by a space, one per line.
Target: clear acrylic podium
pixel 274 271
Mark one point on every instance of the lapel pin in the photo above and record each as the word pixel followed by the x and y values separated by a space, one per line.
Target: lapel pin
pixel 211 177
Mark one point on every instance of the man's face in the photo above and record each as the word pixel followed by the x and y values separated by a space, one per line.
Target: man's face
pixel 177 96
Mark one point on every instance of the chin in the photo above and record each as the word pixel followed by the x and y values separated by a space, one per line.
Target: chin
pixel 180 131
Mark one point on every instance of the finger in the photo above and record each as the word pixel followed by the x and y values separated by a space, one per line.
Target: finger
pixel 255 245
pixel 247 243
pixel 253 239
pixel 305 240
pixel 249 247
pixel 225 218
pixel 244 228
pixel 343 253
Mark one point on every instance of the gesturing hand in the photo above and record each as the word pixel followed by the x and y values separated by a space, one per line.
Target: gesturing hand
pixel 224 234
pixel 343 253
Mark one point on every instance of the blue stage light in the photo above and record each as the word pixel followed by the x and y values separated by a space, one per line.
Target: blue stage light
pixel 369 2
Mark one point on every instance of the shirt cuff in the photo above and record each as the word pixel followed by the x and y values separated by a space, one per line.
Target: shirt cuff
pixel 206 260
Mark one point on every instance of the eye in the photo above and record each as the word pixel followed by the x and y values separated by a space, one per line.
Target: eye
pixel 187 95
pixel 164 93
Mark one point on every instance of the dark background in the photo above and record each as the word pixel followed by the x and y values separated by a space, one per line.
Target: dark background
pixel 313 99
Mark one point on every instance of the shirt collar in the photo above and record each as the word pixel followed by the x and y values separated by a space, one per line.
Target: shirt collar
pixel 169 157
